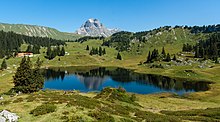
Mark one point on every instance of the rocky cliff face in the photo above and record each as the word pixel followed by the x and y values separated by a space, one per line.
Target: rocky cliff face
pixel 93 27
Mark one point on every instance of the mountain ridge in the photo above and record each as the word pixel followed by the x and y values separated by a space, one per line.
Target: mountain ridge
pixel 37 30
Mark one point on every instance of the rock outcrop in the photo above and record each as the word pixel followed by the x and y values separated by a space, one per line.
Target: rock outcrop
pixel 10 117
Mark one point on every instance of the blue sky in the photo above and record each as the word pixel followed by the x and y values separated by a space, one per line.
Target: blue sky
pixel 130 15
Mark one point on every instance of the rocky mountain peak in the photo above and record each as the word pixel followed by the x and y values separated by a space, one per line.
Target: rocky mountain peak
pixel 93 27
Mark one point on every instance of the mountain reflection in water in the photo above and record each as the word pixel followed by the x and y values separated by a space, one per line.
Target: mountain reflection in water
pixel 97 78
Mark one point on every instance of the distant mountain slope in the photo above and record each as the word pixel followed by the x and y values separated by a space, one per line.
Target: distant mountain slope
pixel 33 30
pixel 128 41
pixel 94 27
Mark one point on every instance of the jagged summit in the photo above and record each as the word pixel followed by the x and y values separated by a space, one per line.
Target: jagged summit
pixel 93 27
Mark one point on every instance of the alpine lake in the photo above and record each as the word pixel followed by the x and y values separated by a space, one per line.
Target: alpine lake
pixel 94 79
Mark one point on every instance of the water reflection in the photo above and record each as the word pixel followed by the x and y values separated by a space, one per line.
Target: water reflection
pixel 92 82
pixel 97 78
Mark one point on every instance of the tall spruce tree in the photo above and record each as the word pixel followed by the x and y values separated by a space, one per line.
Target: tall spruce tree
pixel 62 52
pixel 215 51
pixel 168 59
pixel 29 49
pixel 87 47
pixel 154 55
pixel 184 48
pixel 38 79
pixel 174 57
pixel 149 58
pixel 197 52
pixel 100 51
pixel 3 65
pixel 119 56
pixel 216 60
pixel 92 51
pixel 23 76
pixel 96 51
pixel 103 51
pixel 36 49
pixel 49 52
pixel 58 51
pixel 163 52
pixel 26 79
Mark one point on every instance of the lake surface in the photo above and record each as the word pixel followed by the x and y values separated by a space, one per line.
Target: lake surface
pixel 87 79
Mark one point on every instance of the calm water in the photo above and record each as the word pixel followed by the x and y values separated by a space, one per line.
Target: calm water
pixel 87 79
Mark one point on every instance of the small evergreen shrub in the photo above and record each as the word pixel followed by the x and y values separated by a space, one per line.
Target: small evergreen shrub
pixel 101 116
pixel 120 94
pixel 43 109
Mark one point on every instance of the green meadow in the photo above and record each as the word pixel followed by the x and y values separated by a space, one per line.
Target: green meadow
pixel 76 106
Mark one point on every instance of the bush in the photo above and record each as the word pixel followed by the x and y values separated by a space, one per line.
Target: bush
pixel 101 116
pixel 149 117
pixel 126 120
pixel 197 114
pixel 18 100
pixel 84 101
pixel 157 66
pixel 120 94
pixel 133 97
pixel 43 109
pixel 74 118
pixel 5 102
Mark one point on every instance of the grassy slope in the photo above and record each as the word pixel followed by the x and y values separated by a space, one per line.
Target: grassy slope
pixel 154 103
pixel 32 30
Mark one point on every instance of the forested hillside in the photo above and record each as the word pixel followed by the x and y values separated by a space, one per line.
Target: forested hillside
pixel 125 41
pixel 10 42
pixel 209 48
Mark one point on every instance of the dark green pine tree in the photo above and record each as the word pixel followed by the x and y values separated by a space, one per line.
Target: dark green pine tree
pixel 4 65
pixel 197 52
pixel 216 60
pixel 87 47
pixel 26 79
pixel 184 48
pixel 36 49
pixel 49 52
pixel 58 51
pixel 190 48
pixel 53 55
pixel 163 52
pixel 38 78
pixel 155 55
pixel 215 51
pixel 100 51
pixel 174 57
pixel 62 52
pixel 149 58
pixel 2 54
pixel 92 51
pixel 23 76
pixel 103 51
pixel 168 59
pixel 29 48
pixel 96 51
pixel 201 52
pixel 119 56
